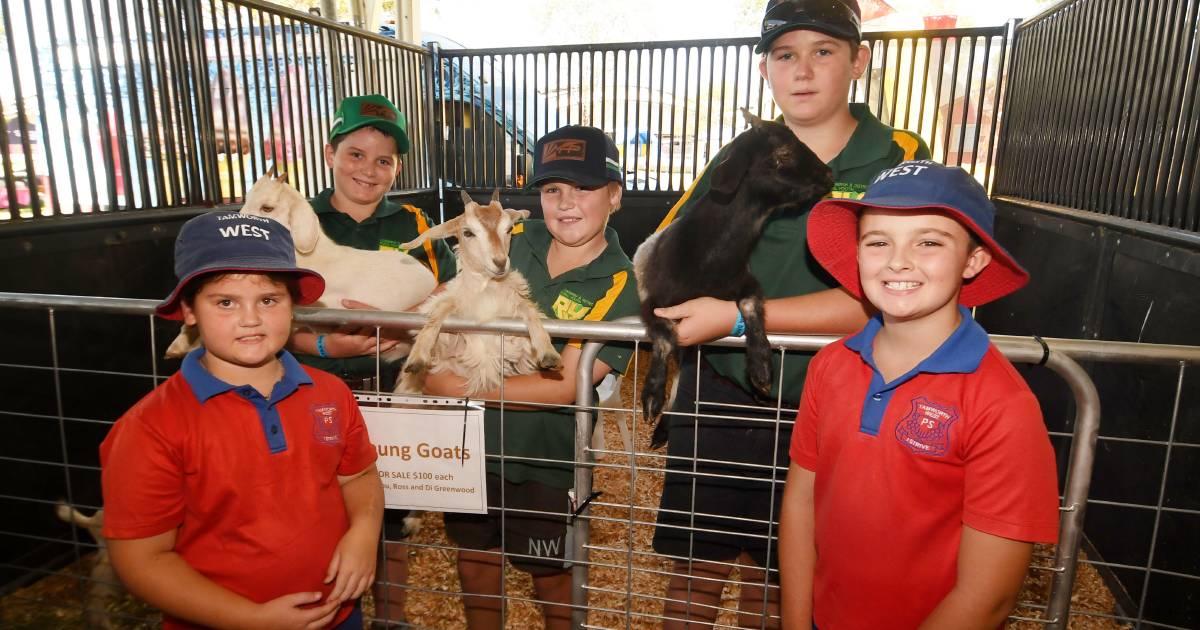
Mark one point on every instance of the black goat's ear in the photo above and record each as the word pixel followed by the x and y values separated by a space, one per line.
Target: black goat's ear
pixel 729 172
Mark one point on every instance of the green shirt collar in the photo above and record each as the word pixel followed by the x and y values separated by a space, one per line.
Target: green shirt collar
pixel 609 262
pixel 871 141
pixel 323 204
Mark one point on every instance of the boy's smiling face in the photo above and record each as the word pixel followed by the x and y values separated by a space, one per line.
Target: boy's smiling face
pixel 244 320
pixel 810 73
pixel 912 266
pixel 577 216
pixel 364 165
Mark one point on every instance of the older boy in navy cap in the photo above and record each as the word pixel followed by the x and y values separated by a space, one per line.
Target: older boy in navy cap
pixel 921 470
pixel 715 515
pixel 242 492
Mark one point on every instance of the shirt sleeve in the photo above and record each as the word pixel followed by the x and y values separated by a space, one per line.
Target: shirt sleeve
pixel 804 446
pixel 1010 486
pixel 142 477
pixel 359 452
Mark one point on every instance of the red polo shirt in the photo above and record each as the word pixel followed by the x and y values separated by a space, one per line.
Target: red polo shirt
pixel 902 466
pixel 249 483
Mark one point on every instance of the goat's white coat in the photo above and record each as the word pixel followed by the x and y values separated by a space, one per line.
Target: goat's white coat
pixel 103 585
pixel 388 280
pixel 485 289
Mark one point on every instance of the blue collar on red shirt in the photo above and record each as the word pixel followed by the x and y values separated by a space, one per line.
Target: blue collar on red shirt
pixel 204 386
pixel 960 353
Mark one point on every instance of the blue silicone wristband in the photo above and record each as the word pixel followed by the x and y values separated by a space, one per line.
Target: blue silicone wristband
pixel 321 345
pixel 739 327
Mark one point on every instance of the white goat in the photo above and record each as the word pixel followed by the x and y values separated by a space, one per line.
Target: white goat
pixel 389 280
pixel 485 289
pixel 103 585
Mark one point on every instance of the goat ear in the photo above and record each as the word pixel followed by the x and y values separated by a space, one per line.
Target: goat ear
pixel 728 174
pixel 517 215
pixel 281 176
pixel 751 119
pixel 495 195
pixel 466 198
pixel 270 172
pixel 439 231
pixel 302 222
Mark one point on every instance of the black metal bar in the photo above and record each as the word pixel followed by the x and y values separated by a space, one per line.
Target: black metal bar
pixel 937 93
pixel 928 43
pixel 62 110
pixel 118 111
pixel 101 104
pixel 662 84
pixel 950 103
pixel 912 77
pixel 10 182
pixel 312 143
pixel 135 112
pixel 171 185
pixel 1165 127
pixel 43 125
pixel 981 102
pixel 1181 167
pixel 1130 130
pixel 1003 70
pixel 966 106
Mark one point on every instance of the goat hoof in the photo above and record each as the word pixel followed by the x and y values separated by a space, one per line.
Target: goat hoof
pixel 550 361
pixel 659 437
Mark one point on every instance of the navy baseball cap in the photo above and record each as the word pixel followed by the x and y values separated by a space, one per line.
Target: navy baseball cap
pixel 919 186
pixel 582 155
pixel 233 242
pixel 840 18
pixel 371 110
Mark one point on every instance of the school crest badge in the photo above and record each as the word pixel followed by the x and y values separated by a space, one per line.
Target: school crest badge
pixel 327 423
pixel 571 305
pixel 926 428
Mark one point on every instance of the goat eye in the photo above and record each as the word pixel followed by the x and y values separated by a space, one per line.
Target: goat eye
pixel 510 229
pixel 468 233
pixel 268 208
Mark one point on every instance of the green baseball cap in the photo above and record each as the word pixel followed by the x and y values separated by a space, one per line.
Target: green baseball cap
pixel 373 110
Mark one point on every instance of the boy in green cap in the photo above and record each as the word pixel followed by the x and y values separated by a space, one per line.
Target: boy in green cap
pixel 366 141
pixel 714 516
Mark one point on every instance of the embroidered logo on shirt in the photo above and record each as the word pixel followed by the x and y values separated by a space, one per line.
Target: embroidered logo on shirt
pixel 926 429
pixel 571 305
pixel 327 423
pixel 390 245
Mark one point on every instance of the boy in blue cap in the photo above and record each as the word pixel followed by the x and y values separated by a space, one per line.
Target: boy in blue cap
pixel 576 270
pixel 242 492
pixel 715 515
pixel 921 471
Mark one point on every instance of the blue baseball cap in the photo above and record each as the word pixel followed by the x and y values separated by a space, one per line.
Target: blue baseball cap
pixel 233 242
pixel 919 186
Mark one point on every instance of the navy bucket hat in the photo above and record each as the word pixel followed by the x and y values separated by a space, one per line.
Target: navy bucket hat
pixel 919 186
pixel 233 242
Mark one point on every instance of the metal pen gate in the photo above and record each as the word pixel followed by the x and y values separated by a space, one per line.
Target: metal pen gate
pixel 134 314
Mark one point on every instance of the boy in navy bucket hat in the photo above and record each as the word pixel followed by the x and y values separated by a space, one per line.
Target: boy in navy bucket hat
pixel 921 471
pixel 242 491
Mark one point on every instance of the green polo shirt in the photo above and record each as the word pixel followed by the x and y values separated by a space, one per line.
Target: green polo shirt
pixel 392 224
pixel 781 261
pixel 602 290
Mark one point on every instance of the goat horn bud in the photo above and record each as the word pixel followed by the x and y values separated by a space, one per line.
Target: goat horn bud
pixel 466 198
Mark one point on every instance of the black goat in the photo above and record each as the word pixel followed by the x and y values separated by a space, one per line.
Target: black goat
pixel 706 252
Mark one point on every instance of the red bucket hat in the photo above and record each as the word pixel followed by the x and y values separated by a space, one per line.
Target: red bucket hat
pixel 918 186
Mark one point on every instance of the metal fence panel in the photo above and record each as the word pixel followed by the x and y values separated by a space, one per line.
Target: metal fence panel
pixel 136 104
pixel 1101 114
pixel 77 416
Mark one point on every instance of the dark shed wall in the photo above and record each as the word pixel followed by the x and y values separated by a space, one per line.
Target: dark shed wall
pixel 1089 281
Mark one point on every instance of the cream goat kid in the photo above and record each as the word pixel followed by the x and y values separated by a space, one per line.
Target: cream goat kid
pixel 485 289
pixel 386 279
pixel 104 588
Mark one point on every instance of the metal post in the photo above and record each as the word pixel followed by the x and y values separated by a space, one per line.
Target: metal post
pixel 584 392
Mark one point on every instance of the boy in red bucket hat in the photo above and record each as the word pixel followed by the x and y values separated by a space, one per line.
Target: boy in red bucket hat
pixel 921 471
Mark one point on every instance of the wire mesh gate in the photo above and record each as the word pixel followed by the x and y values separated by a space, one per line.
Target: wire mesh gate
pixel 591 558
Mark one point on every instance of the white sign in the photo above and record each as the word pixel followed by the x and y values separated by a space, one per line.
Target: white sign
pixel 430 450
